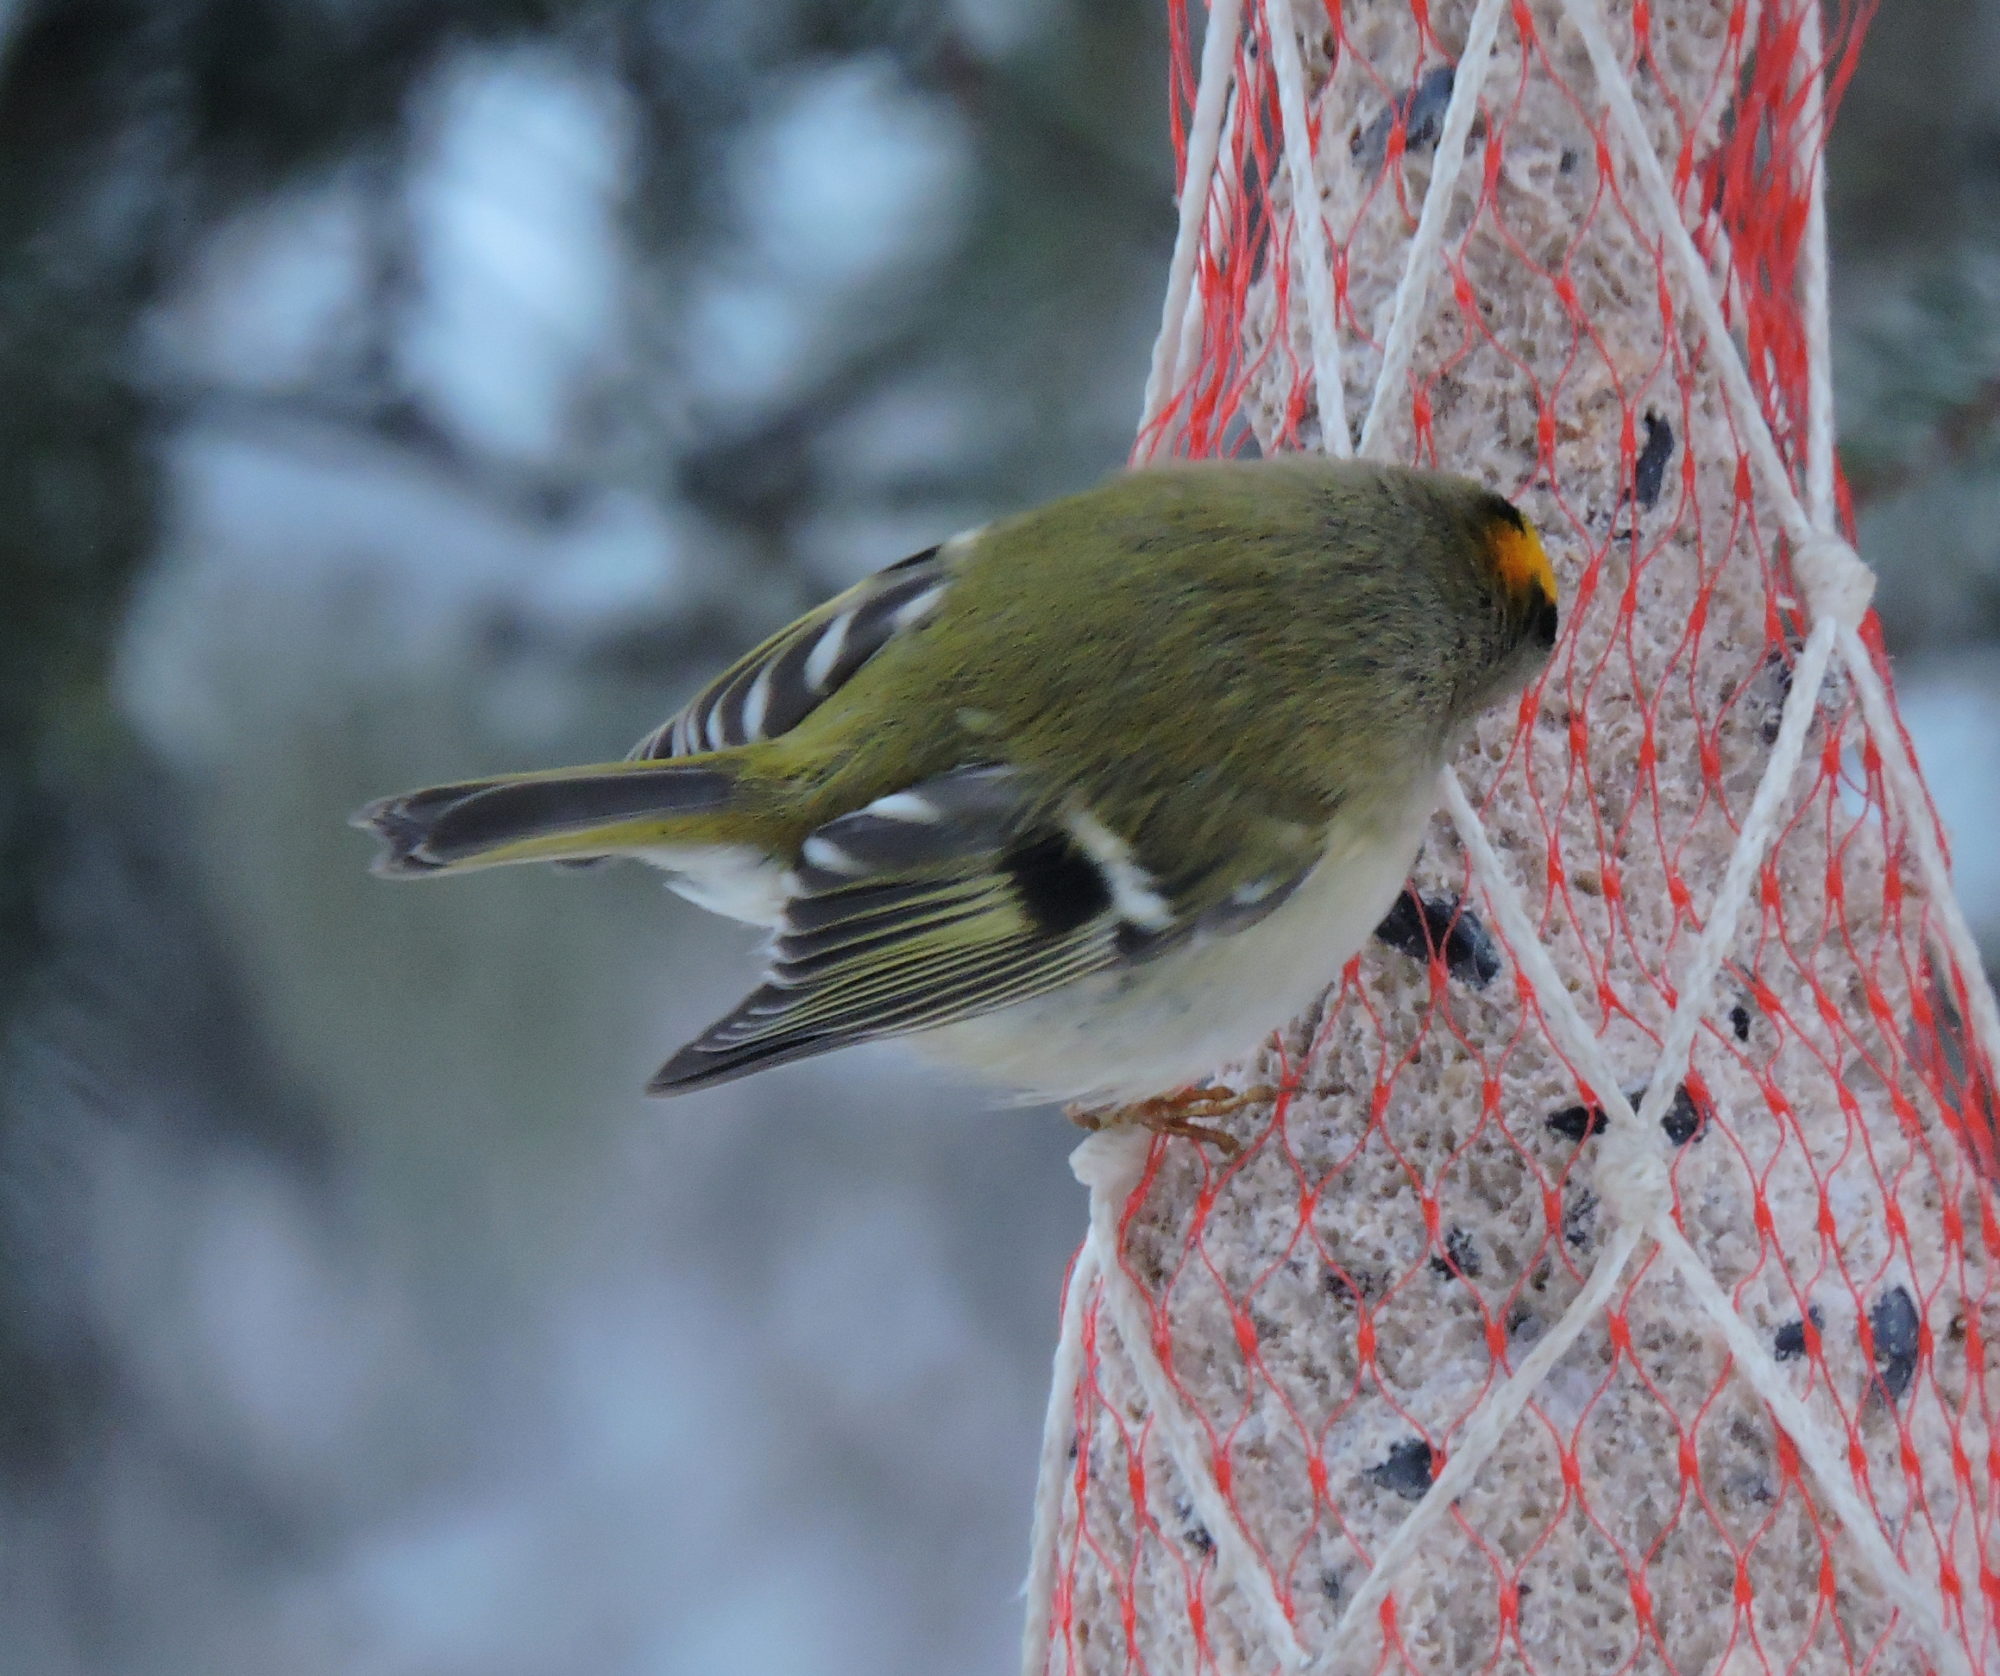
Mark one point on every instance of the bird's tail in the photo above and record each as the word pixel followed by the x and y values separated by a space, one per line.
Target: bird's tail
pixel 564 814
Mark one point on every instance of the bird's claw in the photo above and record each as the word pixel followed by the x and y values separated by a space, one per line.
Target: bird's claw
pixel 1178 1113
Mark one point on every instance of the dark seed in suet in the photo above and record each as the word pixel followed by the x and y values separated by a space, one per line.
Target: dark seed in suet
pixel 1421 113
pixel 1580 1218
pixel 1408 1470
pixel 1460 1258
pixel 1349 1289
pixel 1576 1123
pixel 1788 1344
pixel 1442 927
pixel 1777 679
pixel 1649 472
pixel 1896 1329
pixel 1683 1120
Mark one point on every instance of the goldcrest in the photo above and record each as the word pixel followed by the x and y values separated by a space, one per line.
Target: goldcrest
pixel 1088 800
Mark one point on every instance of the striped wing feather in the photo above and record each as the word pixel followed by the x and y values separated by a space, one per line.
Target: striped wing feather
pixel 770 690
pixel 956 900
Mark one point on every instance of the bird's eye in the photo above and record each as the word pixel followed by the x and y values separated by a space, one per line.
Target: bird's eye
pixel 1544 622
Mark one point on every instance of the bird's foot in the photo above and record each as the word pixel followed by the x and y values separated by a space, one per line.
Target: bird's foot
pixel 1178 1113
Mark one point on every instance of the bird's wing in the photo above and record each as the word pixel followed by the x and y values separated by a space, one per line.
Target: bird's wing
pixel 951 899
pixel 770 690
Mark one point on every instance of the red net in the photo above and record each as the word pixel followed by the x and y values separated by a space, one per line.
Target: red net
pixel 1714 1379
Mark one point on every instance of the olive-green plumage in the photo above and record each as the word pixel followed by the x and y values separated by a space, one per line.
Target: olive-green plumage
pixel 1060 753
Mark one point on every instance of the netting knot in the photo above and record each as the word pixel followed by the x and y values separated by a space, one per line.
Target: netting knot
pixel 1632 1178
pixel 1110 1162
pixel 1836 581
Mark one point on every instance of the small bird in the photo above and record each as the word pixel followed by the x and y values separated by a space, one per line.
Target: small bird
pixel 1088 800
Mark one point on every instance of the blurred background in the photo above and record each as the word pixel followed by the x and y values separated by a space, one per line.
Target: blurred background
pixel 397 389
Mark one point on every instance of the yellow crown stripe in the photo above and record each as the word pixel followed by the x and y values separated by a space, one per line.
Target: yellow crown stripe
pixel 1519 560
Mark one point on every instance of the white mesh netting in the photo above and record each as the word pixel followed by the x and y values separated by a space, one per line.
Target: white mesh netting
pixel 1609 1287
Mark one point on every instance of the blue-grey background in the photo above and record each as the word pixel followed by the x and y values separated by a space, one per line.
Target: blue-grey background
pixel 397 389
